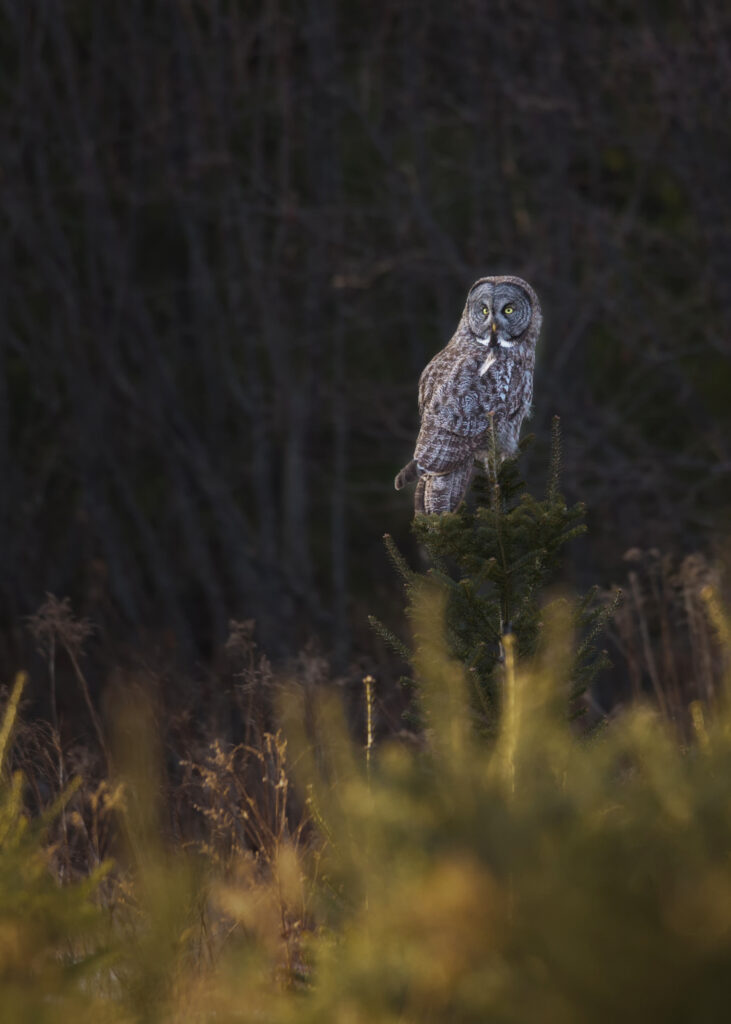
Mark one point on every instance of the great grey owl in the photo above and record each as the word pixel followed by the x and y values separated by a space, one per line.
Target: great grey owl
pixel 485 370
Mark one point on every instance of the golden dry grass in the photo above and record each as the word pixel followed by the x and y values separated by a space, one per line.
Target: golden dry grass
pixel 542 876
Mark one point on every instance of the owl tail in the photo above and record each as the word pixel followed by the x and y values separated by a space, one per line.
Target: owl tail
pixel 407 475
pixel 443 492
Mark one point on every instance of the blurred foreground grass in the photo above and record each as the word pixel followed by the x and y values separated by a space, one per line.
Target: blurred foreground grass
pixel 543 877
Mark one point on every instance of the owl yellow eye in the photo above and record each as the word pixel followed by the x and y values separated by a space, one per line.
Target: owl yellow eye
pixel 484 310
pixel 508 310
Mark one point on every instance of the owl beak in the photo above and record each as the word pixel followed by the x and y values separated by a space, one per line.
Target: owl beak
pixel 494 327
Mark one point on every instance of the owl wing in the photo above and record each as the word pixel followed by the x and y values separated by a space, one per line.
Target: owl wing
pixel 432 380
pixel 453 420
pixel 445 442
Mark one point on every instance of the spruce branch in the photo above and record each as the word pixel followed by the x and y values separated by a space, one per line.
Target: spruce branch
pixel 493 563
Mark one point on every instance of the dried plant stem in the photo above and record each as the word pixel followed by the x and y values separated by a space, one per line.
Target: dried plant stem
pixel 510 708
pixel 52 679
pixel 61 771
pixel 647 647
pixel 89 704
pixel 11 710
pixel 368 682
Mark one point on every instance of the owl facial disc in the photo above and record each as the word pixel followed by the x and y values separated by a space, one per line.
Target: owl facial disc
pixel 498 312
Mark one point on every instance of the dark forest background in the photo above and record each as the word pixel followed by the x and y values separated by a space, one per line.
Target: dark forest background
pixel 232 235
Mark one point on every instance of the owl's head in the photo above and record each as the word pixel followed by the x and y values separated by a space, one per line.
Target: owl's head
pixel 503 311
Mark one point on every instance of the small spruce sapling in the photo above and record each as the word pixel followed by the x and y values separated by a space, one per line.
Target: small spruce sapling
pixel 495 561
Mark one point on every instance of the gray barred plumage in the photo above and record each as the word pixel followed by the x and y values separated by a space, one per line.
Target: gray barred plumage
pixel 485 370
